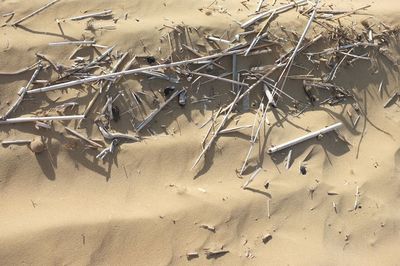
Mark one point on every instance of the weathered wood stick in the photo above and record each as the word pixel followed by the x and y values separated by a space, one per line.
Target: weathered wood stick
pixel 17 72
pixel 76 134
pixel 72 43
pixel 218 130
pixel 356 202
pixel 128 72
pixel 259 37
pixel 259 5
pixel 22 93
pixel 34 13
pixel 276 10
pixel 39 118
pixel 115 135
pixel 391 99
pixel 234 129
pixel 105 13
pixel 252 177
pixel 288 160
pixel 220 78
pixel 289 63
pixel 311 135
pixel 351 12
pixel 15 142
pixel 150 117
pixel 216 39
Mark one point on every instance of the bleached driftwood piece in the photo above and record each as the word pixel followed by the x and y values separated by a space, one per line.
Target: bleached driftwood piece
pixel 220 78
pixel 34 13
pixel 115 135
pixel 234 129
pixel 288 160
pixel 108 150
pixel 77 134
pixel 252 177
pixel 72 43
pixel 259 5
pixel 15 142
pixel 276 10
pixel 39 118
pixel 155 112
pixel 218 130
pixel 105 13
pixel 311 135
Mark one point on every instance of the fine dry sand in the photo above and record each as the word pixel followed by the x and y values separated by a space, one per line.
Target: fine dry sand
pixel 145 205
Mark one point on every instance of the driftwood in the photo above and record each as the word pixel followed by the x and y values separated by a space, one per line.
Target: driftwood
pixel 115 135
pixel 15 142
pixel 311 135
pixel 39 118
pixel 105 13
pixel 72 43
pixel 276 10
pixel 150 117
pixel 252 177
pixel 76 134
pixel 16 23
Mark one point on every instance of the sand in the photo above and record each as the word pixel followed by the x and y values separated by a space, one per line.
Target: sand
pixel 145 206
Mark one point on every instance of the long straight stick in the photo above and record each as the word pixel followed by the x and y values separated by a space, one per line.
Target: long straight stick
pixel 34 13
pixel 304 138
pixel 40 118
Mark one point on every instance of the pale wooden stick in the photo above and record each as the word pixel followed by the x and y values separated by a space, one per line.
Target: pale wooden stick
pixel 259 5
pixel 105 13
pixel 22 93
pixel 39 118
pixel 276 10
pixel 234 129
pixel 17 72
pixel 72 43
pixel 76 134
pixel 220 78
pixel 387 103
pixel 311 135
pixel 34 13
pixel 115 135
pixel 218 130
pixel 356 202
pixel 150 117
pixel 288 160
pixel 252 177
pixel 15 142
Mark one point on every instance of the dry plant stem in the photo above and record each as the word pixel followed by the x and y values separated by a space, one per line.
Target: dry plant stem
pixel 150 117
pixel 40 118
pixel 234 129
pixel 276 10
pixel 351 12
pixel 15 142
pixel 356 202
pixel 288 65
pixel 288 160
pixel 388 102
pixel 45 58
pixel 22 93
pixel 268 209
pixel 105 13
pixel 304 138
pixel 34 13
pixel 258 37
pixel 220 78
pixel 111 136
pixel 218 130
pixel 252 177
pixel 19 71
pixel 72 43
pixel 76 134
pixel 259 5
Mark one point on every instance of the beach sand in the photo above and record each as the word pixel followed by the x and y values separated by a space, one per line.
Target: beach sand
pixel 145 205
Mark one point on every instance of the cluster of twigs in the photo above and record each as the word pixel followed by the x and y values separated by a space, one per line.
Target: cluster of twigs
pixel 346 45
